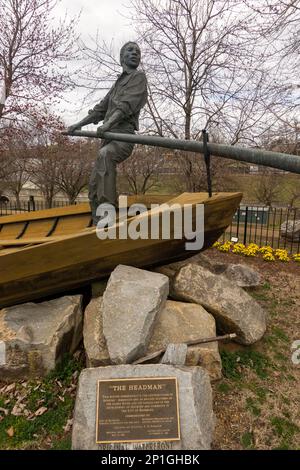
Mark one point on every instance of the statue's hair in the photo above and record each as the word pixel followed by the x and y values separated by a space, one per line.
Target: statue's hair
pixel 123 48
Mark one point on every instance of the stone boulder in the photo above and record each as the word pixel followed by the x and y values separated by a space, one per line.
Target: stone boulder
pixel 241 275
pixel 180 322
pixel 234 310
pixel 93 339
pixel 34 336
pixel 172 269
pixel 194 399
pixel 291 230
pixel 131 302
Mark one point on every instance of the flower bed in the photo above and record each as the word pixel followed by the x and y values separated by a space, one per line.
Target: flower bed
pixel 267 253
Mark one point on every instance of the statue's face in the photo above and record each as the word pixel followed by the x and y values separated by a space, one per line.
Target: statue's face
pixel 132 56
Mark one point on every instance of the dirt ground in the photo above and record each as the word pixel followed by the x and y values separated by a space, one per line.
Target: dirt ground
pixel 257 402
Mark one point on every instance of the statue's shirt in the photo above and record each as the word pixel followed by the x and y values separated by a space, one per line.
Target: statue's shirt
pixel 128 94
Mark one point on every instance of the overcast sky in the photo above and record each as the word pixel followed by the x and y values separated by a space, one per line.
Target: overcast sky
pixel 108 16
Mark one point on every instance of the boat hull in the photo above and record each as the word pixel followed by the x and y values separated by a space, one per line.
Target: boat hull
pixel 40 268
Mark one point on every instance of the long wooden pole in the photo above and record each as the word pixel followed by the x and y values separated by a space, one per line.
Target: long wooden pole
pixel 282 161
pixel 211 339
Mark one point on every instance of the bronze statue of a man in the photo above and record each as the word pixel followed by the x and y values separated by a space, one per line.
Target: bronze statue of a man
pixel 119 110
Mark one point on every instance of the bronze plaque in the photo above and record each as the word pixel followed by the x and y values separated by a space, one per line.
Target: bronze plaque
pixel 137 410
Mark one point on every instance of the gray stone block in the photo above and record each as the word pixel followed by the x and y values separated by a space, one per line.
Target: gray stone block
pixel 94 342
pixel 234 310
pixel 180 322
pixel 130 305
pixel 195 406
pixel 35 336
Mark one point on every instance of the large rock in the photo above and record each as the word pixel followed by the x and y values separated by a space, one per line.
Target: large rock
pixel 234 310
pixel 94 342
pixel 131 302
pixel 241 275
pixel 172 269
pixel 180 322
pixel 195 406
pixel 291 230
pixel 34 336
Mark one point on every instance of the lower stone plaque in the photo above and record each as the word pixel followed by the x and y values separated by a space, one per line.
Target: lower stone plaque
pixel 137 410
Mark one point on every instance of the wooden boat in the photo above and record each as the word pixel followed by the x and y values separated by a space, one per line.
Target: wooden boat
pixel 56 250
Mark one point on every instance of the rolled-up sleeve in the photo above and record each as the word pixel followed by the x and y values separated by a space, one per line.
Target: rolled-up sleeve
pixel 134 95
pixel 100 109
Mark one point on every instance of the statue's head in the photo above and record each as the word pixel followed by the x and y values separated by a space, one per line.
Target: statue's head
pixel 130 55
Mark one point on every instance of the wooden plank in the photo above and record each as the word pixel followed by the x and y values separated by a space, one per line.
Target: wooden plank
pixel 38 228
pixel 71 224
pixel 12 231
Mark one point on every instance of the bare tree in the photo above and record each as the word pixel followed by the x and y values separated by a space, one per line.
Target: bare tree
pixel 74 167
pixel 294 195
pixel 142 169
pixel 33 55
pixel 267 187
pixel 44 172
pixel 45 158
pixel 19 174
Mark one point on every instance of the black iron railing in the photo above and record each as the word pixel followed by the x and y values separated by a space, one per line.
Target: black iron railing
pixel 19 207
pixel 272 226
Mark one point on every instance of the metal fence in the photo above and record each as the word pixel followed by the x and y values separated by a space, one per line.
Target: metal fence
pixel 13 207
pixel 276 227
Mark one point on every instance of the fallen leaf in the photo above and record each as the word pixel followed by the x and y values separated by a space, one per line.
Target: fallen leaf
pixel 75 374
pixel 20 405
pixel 4 410
pixel 68 426
pixel 10 387
pixel 41 411
pixel 16 411
pixel 10 432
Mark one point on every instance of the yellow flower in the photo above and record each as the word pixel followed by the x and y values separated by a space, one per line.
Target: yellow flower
pixel 266 249
pixel 282 255
pixel 238 248
pixel 225 247
pixel 268 257
pixel 296 257
pixel 251 250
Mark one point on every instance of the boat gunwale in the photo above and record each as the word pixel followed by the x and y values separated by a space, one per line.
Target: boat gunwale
pixel 84 208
